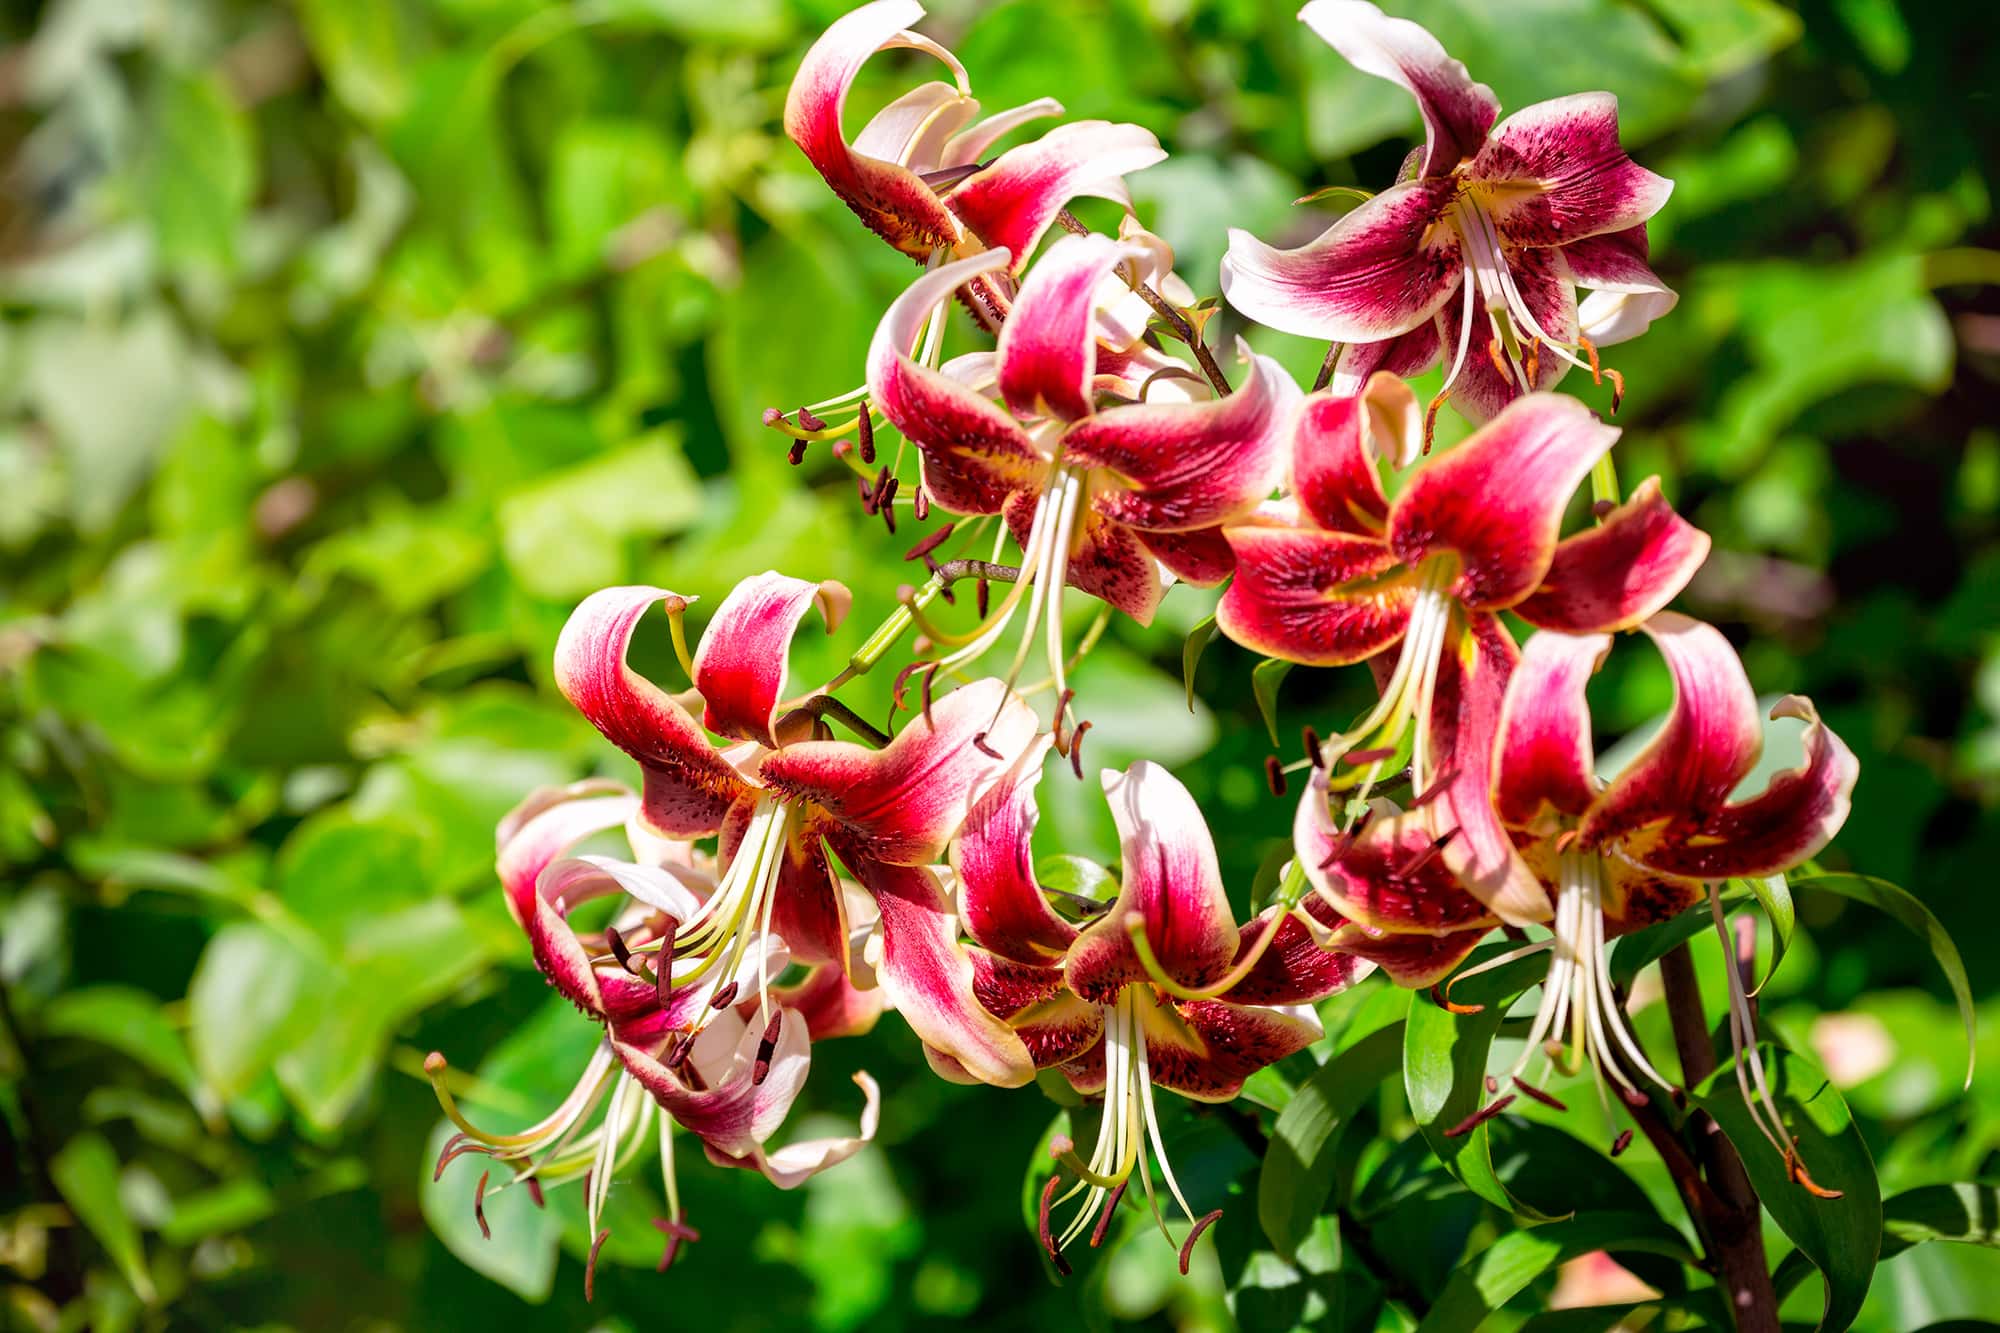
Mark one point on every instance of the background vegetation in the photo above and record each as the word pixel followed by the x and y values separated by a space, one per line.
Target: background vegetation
pixel 345 344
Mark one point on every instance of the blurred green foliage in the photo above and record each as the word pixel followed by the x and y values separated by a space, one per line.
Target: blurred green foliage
pixel 345 344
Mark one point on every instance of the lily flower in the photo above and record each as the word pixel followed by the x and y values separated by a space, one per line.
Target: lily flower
pixel 914 175
pixel 1338 574
pixel 1162 989
pixel 678 1048
pixel 1105 483
pixel 782 800
pixel 1486 235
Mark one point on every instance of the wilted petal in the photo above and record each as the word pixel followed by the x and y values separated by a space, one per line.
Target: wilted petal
pixel 1319 598
pixel 1411 961
pixel 994 858
pixel 1170 882
pixel 1497 500
pixel 903 803
pixel 1048 351
pixel 1193 465
pixel 1618 573
pixel 1204 1049
pixel 1382 270
pixel 1457 112
pixel 1626 295
pixel 1337 443
pixel 739 666
pixel 975 455
pixel 1387 876
pixel 688 786
pixel 928 976
pixel 1012 202
pixel 1546 760
pixel 1554 172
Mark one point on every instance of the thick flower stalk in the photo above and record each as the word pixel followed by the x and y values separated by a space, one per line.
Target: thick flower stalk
pixel 680 1047
pixel 1477 250
pixel 1108 477
pixel 1160 989
pixel 782 798
pixel 1337 574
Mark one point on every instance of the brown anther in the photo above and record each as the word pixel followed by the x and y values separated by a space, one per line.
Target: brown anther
pixel 724 997
pixel 1274 775
pixel 678 1046
pixel 1187 1246
pixel 809 421
pixel 1104 1219
pixel 1492 1085
pixel 1423 858
pixel 773 417
pixel 1042 1227
pixel 1538 1094
pixel 797 454
pixel 1632 1097
pixel 446 1156
pixel 1374 756
pixel 1622 1142
pixel 901 683
pixel 1602 508
pixel 880 488
pixel 1436 789
pixel 619 949
pixel 663 976
pixel 1617 389
pixel 767 1046
pixel 887 504
pixel 1480 1117
pixel 1313 753
pixel 979 744
pixel 981 595
pixel 479 1207
pixel 590 1267
pixel 930 542
pixel 1442 999
pixel 867 495
pixel 676 1231
pixel 1431 422
pixel 865 428
pixel 1076 750
pixel 920 503
pixel 1498 357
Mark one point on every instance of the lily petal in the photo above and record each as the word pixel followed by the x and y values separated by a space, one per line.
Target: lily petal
pixel 536 843
pixel 688 786
pixel 1048 354
pixel 1382 270
pixel 1406 356
pixel 795 1163
pixel 994 859
pixel 971 145
pixel 831 1005
pixel 1011 203
pixel 1386 877
pixel 1206 1048
pixel 1457 112
pixel 1411 961
pixel 1554 173
pixel 1106 559
pixel 1336 442
pixel 1319 598
pixel 1546 763
pixel 1201 556
pixel 1626 295
pixel 739 666
pixel 1615 575
pixel 1482 388
pixel 1497 500
pixel 1294 969
pixel 1170 883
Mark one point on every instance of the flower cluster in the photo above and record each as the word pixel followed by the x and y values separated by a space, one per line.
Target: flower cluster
pixel 792 871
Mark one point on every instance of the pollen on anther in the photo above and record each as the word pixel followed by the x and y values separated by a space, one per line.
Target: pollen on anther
pixel 1274 775
pixel 1042 1226
pixel 1622 1142
pixel 724 997
pixel 865 428
pixel 809 421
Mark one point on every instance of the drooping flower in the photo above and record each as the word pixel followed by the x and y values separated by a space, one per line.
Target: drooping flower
pixel 1160 989
pixel 1337 574
pixel 1103 481
pixel 1476 252
pixel 783 799
pixel 914 174
pixel 679 1047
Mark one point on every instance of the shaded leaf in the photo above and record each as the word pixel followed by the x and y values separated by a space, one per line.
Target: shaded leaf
pixel 1298 1170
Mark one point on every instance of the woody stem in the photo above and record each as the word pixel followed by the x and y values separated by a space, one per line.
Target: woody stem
pixel 1728 1215
pixel 1165 310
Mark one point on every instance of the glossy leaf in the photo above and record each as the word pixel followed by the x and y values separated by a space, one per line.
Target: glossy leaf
pixel 1516 1259
pixel 1298 1168
pixel 1196 643
pixel 87 1171
pixel 1265 678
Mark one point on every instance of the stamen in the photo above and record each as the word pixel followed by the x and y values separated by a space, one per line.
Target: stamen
pixel 479 1207
pixel 979 744
pixel 590 1267
pixel 1049 1245
pixel 618 948
pixel 1538 1094
pixel 981 596
pixel 1187 1247
pixel 1423 858
pixel 1274 775
pixel 809 421
pixel 535 1193
pixel 929 543
pixel 723 998
pixel 1441 997
pixel 1310 738
pixel 675 1231
pixel 1622 1142
pixel 1480 1117
pixel 1076 749
pixel 766 1048
pixel 797 453
pixel 865 427
pixel 773 417
pixel 1374 756
pixel 1111 1202
pixel 1492 1085
pixel 920 503
pixel 663 980
pixel 887 506
pixel 1436 789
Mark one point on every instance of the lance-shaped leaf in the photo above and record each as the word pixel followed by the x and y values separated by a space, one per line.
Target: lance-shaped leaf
pixel 1299 1166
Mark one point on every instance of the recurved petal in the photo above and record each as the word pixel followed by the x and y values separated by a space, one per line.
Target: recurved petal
pixel 903 803
pixel 688 787
pixel 1382 270
pixel 1616 574
pixel 1387 876
pixel 1204 1049
pixel 1201 556
pixel 1709 742
pixel 733 1113
pixel 1406 356
pixel 971 144
pixel 1496 501
pixel 1626 295
pixel 1457 112
pixel 1012 202
pixel 1106 559
pixel 1337 443
pixel 1048 353
pixel 975 455
pixel 795 1163
pixel 547 823
pixel 739 666
pixel 1555 173
pixel 912 130
pixel 929 977
pixel 1319 598
pixel 1546 762
pixel 1411 961
pixel 994 858
pixel 1185 466
pixel 1293 968
pixel 1170 884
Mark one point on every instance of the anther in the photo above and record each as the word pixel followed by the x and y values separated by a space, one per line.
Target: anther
pixel 590 1268
pixel 1617 388
pixel 1423 858
pixel 1538 1094
pixel 1795 1167
pixel 880 488
pixel 1274 775
pixel 1443 1000
pixel 724 997
pixel 1104 1219
pixel 1313 752
pixel 1375 756
pixel 1534 360
pixel 1498 357
pixel 930 679
pixel 1436 789
pixel 887 504
pixel 981 593
pixel 1492 1085
pixel 867 495
pixel 1589 350
pixel 1187 1246
pixel 1602 508
pixel 979 744
pixel 479 1207
pixel 663 978
pixel 929 543
pixel 920 503
pixel 619 949
pixel 1042 1227
pixel 1076 749
pixel 865 428
pixel 1632 1097
pixel 773 417
pixel 1431 421
pixel 767 1046
pixel 675 1231
pixel 797 454
pixel 809 421
pixel 1480 1117
pixel 1622 1142
pixel 535 1194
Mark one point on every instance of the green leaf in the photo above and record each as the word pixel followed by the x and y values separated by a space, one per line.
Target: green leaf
pixel 521 1253
pixel 230 1206
pixel 1444 1073
pixel 1506 1267
pixel 364 50
pixel 1264 681
pixel 1651 943
pixel 1776 900
pixel 1966 1213
pixel 127 1020
pixel 1298 1168
pixel 1841 1236
pixel 255 992
pixel 1192 648
pixel 1064 873
pixel 86 1171
pixel 201 170
pixel 565 536
pixel 1919 921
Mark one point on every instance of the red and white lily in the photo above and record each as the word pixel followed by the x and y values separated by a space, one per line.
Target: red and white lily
pixel 1338 574
pixel 1162 989
pixel 1488 227
pixel 783 799
pixel 1105 472
pixel 679 1047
